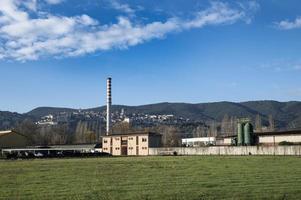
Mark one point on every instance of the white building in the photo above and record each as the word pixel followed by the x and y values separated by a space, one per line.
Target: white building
pixel 47 120
pixel 200 141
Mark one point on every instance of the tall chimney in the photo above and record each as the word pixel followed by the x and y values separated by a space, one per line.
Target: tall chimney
pixel 109 103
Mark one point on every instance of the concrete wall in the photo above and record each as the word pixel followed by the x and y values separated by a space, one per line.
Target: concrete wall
pixel 224 150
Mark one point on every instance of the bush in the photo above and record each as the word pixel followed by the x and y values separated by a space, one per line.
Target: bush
pixel 284 143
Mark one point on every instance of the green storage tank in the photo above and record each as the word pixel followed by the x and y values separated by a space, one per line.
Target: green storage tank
pixel 248 134
pixel 240 134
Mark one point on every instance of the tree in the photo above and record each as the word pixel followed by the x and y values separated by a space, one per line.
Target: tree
pixel 271 123
pixel 79 132
pixel 171 136
pixel 258 123
pixel 233 126
pixel 90 136
pixel 213 129
pixel 121 128
pixel 29 129
pixel 225 126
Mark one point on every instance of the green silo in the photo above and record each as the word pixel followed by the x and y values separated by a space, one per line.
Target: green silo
pixel 240 134
pixel 248 133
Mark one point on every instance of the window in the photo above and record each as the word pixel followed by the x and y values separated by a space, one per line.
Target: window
pixel 130 138
pixel 117 148
pixel 116 138
pixel 105 141
pixel 144 139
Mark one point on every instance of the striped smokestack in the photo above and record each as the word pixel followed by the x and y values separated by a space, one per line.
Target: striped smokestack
pixel 109 103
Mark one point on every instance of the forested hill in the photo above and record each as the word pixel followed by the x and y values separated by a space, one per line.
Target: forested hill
pixel 9 120
pixel 284 113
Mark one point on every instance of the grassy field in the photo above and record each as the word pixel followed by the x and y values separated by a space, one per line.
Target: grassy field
pixel 182 177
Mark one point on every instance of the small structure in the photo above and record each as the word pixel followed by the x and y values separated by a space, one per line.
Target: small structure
pixel 12 139
pixel 275 137
pixel 230 140
pixel 132 144
pixel 197 142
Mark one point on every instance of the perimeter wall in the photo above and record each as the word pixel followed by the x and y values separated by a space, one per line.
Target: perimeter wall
pixel 226 150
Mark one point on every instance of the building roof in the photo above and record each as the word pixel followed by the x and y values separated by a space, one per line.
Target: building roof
pixel 199 139
pixel 2 133
pixel 135 133
pixel 283 132
pixel 228 136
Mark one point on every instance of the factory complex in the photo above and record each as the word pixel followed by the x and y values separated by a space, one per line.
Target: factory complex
pixel 150 143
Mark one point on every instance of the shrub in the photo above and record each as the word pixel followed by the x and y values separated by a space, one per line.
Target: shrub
pixel 286 143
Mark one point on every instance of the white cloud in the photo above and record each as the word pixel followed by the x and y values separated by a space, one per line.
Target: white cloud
pixel 288 25
pixel 121 7
pixel 30 4
pixel 25 38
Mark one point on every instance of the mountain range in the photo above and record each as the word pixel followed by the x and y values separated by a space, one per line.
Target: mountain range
pixel 285 114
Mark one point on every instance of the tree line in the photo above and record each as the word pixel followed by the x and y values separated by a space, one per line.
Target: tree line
pixel 82 132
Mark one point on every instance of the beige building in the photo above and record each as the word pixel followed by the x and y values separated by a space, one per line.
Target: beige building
pixel 132 144
pixel 271 138
pixel 12 139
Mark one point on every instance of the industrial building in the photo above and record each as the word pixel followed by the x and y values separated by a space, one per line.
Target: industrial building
pixel 12 139
pixel 274 138
pixel 198 142
pixel 264 138
pixel 132 144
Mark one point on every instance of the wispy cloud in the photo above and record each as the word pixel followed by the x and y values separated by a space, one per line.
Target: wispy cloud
pixel 288 25
pixel 24 38
pixel 283 65
pixel 126 8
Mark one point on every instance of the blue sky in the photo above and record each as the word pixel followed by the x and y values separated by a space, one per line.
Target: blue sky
pixel 59 52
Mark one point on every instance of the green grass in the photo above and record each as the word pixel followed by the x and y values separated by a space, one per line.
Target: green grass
pixel 182 177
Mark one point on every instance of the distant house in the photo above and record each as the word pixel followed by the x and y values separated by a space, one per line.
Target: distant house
pixel 132 144
pixel 12 139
